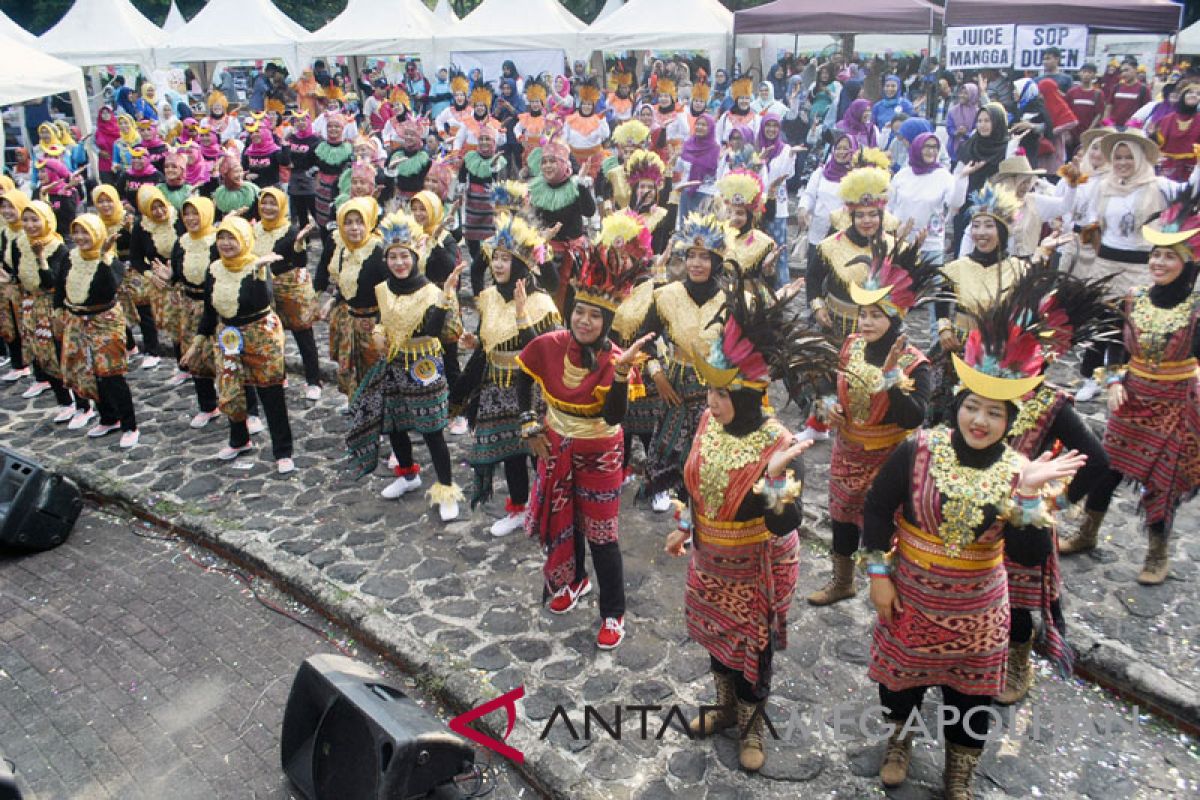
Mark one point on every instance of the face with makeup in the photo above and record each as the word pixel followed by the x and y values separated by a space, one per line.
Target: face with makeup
pixel 1165 265
pixel 191 218
pixel 985 233
pixel 698 264
pixel 587 323
pixel 400 262
pixel 873 324
pixel 268 207
pixel 354 229
pixel 982 422
pixel 720 404
pixel 228 245
pixel 82 237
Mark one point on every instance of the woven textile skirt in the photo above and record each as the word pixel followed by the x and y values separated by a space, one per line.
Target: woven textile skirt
pixel 352 346
pixel 259 364
pixel 405 394
pixel 93 347
pixel 41 332
pixel 295 300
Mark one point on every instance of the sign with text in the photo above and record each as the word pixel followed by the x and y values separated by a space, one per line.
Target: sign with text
pixel 1032 40
pixel 979 47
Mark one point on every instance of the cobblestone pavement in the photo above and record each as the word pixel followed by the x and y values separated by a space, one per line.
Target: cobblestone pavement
pixel 128 671
pixel 461 606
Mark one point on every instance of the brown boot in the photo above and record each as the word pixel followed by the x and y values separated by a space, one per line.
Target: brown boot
pixel 960 771
pixel 1020 674
pixel 709 722
pixel 1157 563
pixel 1086 538
pixel 751 753
pixel 894 769
pixel 841 583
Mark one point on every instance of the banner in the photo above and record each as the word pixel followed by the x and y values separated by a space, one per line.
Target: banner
pixel 979 47
pixel 1033 39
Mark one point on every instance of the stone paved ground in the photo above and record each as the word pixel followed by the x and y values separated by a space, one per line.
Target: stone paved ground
pixel 127 671
pixel 462 606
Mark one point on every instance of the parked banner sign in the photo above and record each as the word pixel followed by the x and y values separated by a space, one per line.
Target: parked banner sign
pixel 980 47
pixel 1032 40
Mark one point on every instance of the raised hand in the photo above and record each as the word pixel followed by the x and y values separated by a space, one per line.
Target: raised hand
pixel 897 350
pixel 1047 469
pixel 778 463
pixel 627 358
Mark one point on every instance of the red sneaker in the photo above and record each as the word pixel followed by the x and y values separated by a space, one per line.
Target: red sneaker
pixel 612 633
pixel 568 596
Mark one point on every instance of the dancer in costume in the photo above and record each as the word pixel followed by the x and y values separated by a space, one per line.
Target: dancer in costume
pixel 12 205
pixel 585 131
pixel 612 183
pixel 562 202
pixel 480 169
pixel 153 238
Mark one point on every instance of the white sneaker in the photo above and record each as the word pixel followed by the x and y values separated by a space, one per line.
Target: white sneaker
pixel 509 524
pixel 65 414
pixel 37 388
pixel 228 453
pixel 661 502
pixel 204 417
pixel 80 419
pixel 448 511
pixel 285 465
pixel 129 440
pixel 4 361
pixel 14 375
pixel 400 486
pixel 150 362
pixel 103 430
pixel 813 435
pixel 254 425
pixel 179 378
pixel 1087 391
pixel 393 462
pixel 312 392
pixel 458 426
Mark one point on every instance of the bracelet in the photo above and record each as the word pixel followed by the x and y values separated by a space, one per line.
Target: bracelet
pixel 527 416
pixel 531 429
pixel 876 562
pixel 1098 374
pixel 944 325
pixel 779 492
pixel 523 321
pixel 817 304
pixel 879 570
pixel 1115 377
pixel 621 375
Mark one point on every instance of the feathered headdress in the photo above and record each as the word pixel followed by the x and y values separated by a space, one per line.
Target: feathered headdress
pixel 459 81
pixel 589 90
pixel 401 229
pixel 896 281
pixel 865 187
pixel 516 236
pixel 1078 310
pixel 631 131
pixel 216 97
pixel 1003 357
pixel 996 202
pixel 742 87
pixel 872 157
pixel 619 76
pixel 537 89
pixel 763 340
pixel 626 231
pixel 482 94
pixel 399 95
pixel 742 187
pixel 701 91
pixel 645 165
pixel 666 86
pixel 608 278
pixel 1178 226
pixel 705 231
pixel 509 195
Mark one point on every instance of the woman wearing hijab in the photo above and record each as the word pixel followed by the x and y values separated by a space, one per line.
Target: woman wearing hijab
pixel 892 101
pixel 1063 124
pixel 263 157
pixel 12 205
pixel 697 165
pixel 779 164
pixel 851 89
pixel 767 101
pixel 960 120
pixel 925 196
pixel 1030 122
pixel 108 133
pixel 987 144
pixel 857 123
pixel 822 197
pixel 1178 135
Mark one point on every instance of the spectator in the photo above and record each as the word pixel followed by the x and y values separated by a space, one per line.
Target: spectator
pixel 1127 96
pixel 960 122
pixel 261 88
pixel 418 88
pixel 1051 63
pixel 440 94
pixel 1086 100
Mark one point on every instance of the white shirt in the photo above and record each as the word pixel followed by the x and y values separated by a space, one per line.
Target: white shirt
pixel 780 168
pixel 321 124
pixel 727 123
pixel 929 201
pixel 820 198
pixel 1121 229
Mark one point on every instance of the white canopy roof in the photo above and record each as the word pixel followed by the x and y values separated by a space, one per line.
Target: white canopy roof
pixel 514 25
pixel 609 7
pixel 655 25
pixel 12 30
pixel 376 27
pixel 102 32
pixel 236 30
pixel 444 12
pixel 174 20
pixel 1188 40
pixel 28 74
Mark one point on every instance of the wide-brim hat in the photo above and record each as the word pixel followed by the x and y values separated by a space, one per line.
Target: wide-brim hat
pixel 1088 137
pixel 1134 137
pixel 1017 167
pixel 993 387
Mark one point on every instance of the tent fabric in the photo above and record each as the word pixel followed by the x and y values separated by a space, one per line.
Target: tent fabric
pixel 1188 41
pixel 376 27
pixel 844 16
pixel 236 30
pixel 174 20
pixel 27 73
pixel 103 32
pixel 444 12
pixel 12 30
pixel 609 7
pixel 655 25
pixel 514 25
pixel 1154 16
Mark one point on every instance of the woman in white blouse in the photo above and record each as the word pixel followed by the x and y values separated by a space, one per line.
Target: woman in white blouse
pixel 820 199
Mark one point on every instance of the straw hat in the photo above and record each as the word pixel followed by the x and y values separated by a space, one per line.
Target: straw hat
pixel 1132 136
pixel 1016 167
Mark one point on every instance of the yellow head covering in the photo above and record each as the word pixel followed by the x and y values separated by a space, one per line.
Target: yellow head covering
pixel 147 196
pixel 6 184
pixel 64 133
pixel 50 132
pixel 129 129
pixel 433 208
pixel 94 226
pixel 20 202
pixel 118 215
pixel 368 209
pixel 240 229
pixel 281 220
pixel 207 211
pixel 49 237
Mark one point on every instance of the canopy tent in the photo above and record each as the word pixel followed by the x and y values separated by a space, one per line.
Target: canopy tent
pixel 235 30
pixel 1155 16
pixel 376 27
pixel 12 30
pixel 29 74
pixel 772 45
pixel 609 7
pixel 444 12
pixel 513 25
pixel 175 19
pixel 1188 40
pixel 843 16
pixel 103 32
pixel 654 25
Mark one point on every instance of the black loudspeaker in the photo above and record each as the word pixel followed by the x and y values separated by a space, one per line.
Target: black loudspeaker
pixel 350 735
pixel 38 509
pixel 9 790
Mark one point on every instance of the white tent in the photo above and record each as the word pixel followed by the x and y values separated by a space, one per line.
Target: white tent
pixel 1188 40
pixel 174 20
pixel 376 27
pixel 103 32
pixel 654 25
pixel 12 30
pixel 236 30
pixel 444 12
pixel 609 7
pixel 509 25
pixel 29 74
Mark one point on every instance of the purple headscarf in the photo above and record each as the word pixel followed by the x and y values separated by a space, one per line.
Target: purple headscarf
pixel 702 153
pixel 834 171
pixel 851 122
pixel 916 159
pixel 769 148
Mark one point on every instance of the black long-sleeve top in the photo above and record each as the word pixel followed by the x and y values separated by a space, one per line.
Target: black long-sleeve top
pixel 905 409
pixel 440 262
pixel 1070 429
pixel 142 250
pixel 473 373
pixel 56 265
pixel 571 216
pixel 301 154
pixel 254 301
pixel 754 505
pixel 817 282
pixel 285 248
pixel 101 292
pixel 177 272
pixel 265 167
pixel 374 271
pixel 127 185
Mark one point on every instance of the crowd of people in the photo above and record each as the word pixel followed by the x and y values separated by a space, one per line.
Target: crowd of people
pixel 629 275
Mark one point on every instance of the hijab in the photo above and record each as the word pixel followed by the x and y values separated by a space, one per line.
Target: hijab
pixel 850 91
pixel 434 210
pixel 96 231
pixel 108 130
pixel 207 211
pixel 118 215
pixel 769 148
pixel 368 208
pixel 244 234
pixel 833 171
pixel 992 148
pixel 282 220
pixel 1062 118
pixel 1178 290
pixel 199 171
pixel 266 143
pixel 48 238
pixel 916 155
pixel 20 201
pixel 702 153
pixel 962 115
pixel 852 123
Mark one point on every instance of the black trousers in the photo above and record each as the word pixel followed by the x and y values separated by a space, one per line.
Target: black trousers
pixel 439 453
pixel 516 475
pixel 1101 495
pixel 300 206
pixel 149 332
pixel 14 349
pixel 964 731
pixel 450 364
pixel 610 573
pixel 845 538
pixel 478 267
pixel 62 394
pixel 274 404
pixel 745 689
pixel 1020 628
pixel 116 402
pixel 206 393
pixel 306 343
